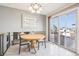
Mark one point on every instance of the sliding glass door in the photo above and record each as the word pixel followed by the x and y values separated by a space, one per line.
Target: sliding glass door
pixel 63 30
pixel 54 30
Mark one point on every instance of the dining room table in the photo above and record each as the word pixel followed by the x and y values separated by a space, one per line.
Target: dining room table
pixel 33 38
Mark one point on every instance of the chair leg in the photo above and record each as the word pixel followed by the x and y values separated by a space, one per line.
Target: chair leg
pixel 45 43
pixel 19 48
pixel 38 45
pixel 29 47
pixel 35 50
pixel 42 43
pixel 13 42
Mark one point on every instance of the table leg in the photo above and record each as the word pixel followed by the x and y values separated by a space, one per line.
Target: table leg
pixel 33 45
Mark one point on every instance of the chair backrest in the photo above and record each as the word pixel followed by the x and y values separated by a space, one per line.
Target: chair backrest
pixel 26 32
pixel 15 35
pixel 38 32
pixel 21 33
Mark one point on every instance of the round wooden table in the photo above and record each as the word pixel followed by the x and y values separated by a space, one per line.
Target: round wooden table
pixel 32 38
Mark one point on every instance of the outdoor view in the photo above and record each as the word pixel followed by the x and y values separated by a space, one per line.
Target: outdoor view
pixel 63 30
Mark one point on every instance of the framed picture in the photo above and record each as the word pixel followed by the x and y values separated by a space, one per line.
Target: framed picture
pixel 28 23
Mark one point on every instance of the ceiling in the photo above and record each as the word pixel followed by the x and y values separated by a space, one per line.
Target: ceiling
pixel 47 7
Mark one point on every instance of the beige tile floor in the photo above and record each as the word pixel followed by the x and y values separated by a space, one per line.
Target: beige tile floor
pixel 51 50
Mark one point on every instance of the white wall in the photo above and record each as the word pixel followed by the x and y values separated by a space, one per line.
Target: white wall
pixel 10 20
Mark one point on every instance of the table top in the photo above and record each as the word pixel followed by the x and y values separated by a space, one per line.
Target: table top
pixel 32 36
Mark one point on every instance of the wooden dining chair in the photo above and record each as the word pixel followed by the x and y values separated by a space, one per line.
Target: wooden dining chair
pixel 43 41
pixel 15 38
pixel 21 43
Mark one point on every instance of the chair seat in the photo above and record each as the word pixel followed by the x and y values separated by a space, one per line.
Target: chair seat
pixel 42 39
pixel 26 42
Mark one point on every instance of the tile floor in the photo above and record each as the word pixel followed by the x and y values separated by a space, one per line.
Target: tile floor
pixel 51 50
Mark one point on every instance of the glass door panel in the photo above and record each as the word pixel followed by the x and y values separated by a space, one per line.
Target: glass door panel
pixel 51 30
pixel 71 31
pixel 62 29
pixel 54 30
